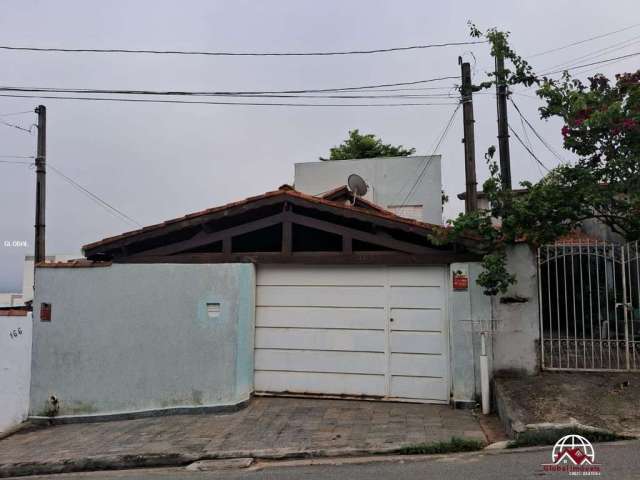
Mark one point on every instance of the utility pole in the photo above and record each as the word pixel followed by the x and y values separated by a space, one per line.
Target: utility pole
pixel 503 123
pixel 471 198
pixel 41 184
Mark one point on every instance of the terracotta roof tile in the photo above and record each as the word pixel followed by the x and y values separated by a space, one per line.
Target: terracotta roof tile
pixel 284 191
pixel 78 263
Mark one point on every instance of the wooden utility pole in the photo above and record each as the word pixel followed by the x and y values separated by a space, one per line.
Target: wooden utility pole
pixel 503 123
pixel 471 198
pixel 41 184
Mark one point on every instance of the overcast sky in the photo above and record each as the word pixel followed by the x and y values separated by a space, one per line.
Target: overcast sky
pixel 158 161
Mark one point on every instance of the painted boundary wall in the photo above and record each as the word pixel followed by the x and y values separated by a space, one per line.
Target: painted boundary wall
pixel 135 338
pixel 15 368
pixel 513 344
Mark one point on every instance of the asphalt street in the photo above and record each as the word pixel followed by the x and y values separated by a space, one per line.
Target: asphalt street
pixel 618 461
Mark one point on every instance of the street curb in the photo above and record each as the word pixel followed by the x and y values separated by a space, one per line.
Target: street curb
pixel 154 460
pixel 507 411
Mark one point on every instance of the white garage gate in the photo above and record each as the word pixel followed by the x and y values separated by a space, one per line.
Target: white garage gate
pixel 352 330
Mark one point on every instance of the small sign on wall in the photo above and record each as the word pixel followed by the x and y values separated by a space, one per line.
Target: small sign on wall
pixel 45 312
pixel 460 279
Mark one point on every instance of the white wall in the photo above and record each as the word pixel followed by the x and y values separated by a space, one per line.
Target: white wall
pixel 15 369
pixel 516 343
pixel 127 337
pixel 27 272
pixel 390 179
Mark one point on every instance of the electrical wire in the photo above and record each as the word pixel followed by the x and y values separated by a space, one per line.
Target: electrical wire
pixel 15 113
pixel 17 156
pixel 528 149
pixel 597 53
pixel 226 95
pixel 240 92
pixel 95 197
pixel 17 162
pixel 580 42
pixel 13 125
pixel 428 162
pixel 535 132
pixel 238 54
pixel 621 57
pixel 251 104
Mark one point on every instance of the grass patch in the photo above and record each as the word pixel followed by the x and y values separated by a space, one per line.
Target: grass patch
pixel 456 444
pixel 532 438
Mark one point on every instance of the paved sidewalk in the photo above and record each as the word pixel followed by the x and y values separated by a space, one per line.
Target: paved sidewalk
pixel 266 428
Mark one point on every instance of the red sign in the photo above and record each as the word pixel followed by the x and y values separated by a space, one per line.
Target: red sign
pixel 460 281
pixel 45 312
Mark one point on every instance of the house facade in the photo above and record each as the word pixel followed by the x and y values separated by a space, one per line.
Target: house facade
pixel 284 293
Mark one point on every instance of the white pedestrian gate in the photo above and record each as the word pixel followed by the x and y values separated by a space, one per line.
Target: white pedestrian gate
pixel 589 306
pixel 353 330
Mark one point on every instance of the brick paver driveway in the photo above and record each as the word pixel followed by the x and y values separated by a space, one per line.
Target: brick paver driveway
pixel 265 425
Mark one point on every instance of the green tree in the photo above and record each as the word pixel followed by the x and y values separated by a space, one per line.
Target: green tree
pixel 366 146
pixel 602 127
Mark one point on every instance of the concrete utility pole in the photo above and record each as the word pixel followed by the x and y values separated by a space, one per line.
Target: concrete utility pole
pixel 503 123
pixel 41 184
pixel 471 198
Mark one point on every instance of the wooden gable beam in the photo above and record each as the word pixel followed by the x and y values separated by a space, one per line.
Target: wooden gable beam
pixel 203 238
pixel 376 239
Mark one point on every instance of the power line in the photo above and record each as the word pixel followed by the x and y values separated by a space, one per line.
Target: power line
pixel 621 57
pixel 580 42
pixel 244 92
pixel 13 125
pixel 542 140
pixel 15 113
pixel 528 149
pixel 95 197
pixel 598 53
pixel 428 162
pixel 17 162
pixel 205 94
pixel 238 54
pixel 144 100
pixel 17 156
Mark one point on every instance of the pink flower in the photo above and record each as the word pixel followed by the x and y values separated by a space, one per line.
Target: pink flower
pixel 565 131
pixel 578 122
pixel 628 123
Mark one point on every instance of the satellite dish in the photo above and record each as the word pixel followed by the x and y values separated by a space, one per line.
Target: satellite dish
pixel 357 185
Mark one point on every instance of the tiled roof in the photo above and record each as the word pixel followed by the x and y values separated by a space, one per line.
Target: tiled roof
pixel 13 311
pixel 283 191
pixel 78 263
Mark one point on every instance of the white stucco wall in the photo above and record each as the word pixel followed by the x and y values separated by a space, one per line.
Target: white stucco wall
pixel 130 338
pixel 15 368
pixel 390 179
pixel 516 344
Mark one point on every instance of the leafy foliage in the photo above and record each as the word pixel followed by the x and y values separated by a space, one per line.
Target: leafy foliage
pixel 602 127
pixel 366 146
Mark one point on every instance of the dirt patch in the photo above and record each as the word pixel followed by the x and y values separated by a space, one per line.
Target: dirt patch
pixel 605 400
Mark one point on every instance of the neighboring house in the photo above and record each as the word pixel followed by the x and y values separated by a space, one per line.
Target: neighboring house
pixel 407 186
pixel 11 300
pixel 592 227
pixel 15 366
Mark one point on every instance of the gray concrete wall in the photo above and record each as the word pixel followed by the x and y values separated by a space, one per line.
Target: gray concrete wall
pixel 516 341
pixel 390 179
pixel 131 338
pixel 469 312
